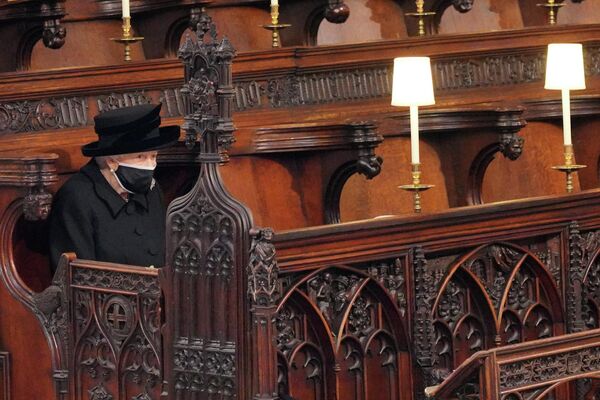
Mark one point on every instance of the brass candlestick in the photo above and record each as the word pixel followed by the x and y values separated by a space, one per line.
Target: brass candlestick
pixel 275 26
pixel 417 187
pixel 552 7
pixel 421 14
pixel 569 168
pixel 127 39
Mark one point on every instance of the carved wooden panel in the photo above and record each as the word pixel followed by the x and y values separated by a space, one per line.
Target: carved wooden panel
pixel 340 334
pixel 208 240
pixel 116 334
pixel 494 295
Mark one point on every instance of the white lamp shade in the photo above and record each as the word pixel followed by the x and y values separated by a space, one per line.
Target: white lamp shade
pixel 564 67
pixel 412 84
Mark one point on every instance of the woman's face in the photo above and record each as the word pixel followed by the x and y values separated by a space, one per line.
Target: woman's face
pixel 145 159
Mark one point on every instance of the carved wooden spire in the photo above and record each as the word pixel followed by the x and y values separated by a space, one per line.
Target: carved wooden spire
pixel 207 239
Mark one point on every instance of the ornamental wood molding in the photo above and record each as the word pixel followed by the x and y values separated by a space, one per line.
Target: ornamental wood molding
pixel 298 78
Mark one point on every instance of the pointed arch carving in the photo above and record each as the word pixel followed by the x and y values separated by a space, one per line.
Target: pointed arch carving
pixel 357 327
pixel 496 294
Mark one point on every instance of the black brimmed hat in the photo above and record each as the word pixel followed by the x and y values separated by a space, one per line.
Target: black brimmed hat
pixel 130 130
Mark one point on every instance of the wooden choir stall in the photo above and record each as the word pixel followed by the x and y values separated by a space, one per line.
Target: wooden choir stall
pixel 295 268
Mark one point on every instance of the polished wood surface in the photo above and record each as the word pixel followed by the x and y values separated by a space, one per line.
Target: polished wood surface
pixel 372 308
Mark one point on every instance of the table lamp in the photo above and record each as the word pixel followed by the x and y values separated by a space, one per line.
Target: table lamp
pixel 413 87
pixel 565 72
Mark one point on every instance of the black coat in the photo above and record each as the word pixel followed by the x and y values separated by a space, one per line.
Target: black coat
pixel 92 220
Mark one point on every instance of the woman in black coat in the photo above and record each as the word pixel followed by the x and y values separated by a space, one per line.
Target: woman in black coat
pixel 112 209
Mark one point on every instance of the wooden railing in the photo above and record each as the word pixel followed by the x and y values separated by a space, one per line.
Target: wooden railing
pixel 453 284
pixel 530 370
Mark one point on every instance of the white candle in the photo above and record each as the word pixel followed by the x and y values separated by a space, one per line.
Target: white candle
pixel 274 3
pixel 414 134
pixel 566 105
pixel 126 13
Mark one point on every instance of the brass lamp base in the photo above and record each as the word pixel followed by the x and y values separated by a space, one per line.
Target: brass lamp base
pixel 127 39
pixel 416 187
pixel 568 167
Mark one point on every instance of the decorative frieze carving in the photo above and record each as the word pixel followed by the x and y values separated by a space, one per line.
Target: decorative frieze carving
pixel 472 72
pixel 549 368
pixel 43 115
pixel 293 90
pixel 120 100
pixel 137 283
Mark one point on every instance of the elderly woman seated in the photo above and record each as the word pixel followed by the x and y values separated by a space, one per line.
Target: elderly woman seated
pixel 112 209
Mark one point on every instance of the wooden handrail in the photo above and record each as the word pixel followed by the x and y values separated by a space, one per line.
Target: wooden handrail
pixel 581 352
